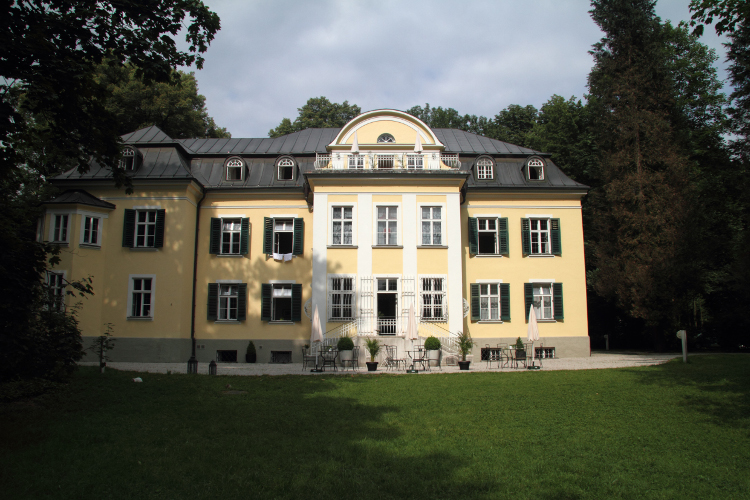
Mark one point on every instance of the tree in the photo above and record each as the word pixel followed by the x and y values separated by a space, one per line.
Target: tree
pixel 514 124
pixel 174 107
pixel 318 112
pixel 638 212
pixel 729 13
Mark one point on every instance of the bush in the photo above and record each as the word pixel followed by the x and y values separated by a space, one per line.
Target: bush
pixel 373 347
pixel 519 343
pixel 250 348
pixel 432 343
pixel 345 344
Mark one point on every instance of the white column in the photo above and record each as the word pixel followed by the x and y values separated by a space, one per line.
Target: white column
pixel 409 232
pixel 455 269
pixel 364 238
pixel 319 259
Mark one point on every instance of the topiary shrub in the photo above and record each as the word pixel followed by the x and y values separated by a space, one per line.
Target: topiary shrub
pixel 432 343
pixel 345 344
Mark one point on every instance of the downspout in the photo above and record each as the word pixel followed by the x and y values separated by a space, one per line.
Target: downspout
pixel 192 362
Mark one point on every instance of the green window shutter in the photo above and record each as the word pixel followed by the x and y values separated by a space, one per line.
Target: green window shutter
pixel 555 236
pixel 473 236
pixel 296 302
pixel 476 312
pixel 242 302
pixel 557 299
pixel 245 236
pixel 502 234
pixel 299 236
pixel 159 240
pixel 213 301
pixel 214 246
pixel 505 301
pixel 128 228
pixel 528 292
pixel 526 236
pixel 267 236
pixel 265 302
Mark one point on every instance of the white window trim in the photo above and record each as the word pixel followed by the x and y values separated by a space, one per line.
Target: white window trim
pixel 147 207
pixel 53 216
pixel 419 290
pixel 497 235
pixel 443 225
pixel 280 282
pixel 221 236
pixel 529 167
pixel 542 281
pixel 353 206
pixel 499 301
pixel 329 286
pixel 551 300
pixel 218 300
pixel 279 166
pixel 539 216
pixel 65 280
pixel 131 277
pixel 98 242
pixel 486 281
pixel 399 223
pixel 241 167
pixel 492 168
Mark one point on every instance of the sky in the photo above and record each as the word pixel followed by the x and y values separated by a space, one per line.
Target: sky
pixel 477 57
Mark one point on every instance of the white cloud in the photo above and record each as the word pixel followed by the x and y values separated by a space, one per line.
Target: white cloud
pixel 475 56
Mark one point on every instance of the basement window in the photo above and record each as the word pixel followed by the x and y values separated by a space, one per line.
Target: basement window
pixel 226 356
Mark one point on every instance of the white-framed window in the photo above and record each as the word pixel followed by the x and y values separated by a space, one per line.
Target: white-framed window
pixel 387 225
pixel 386 138
pixel 431 218
pixel 231 236
pixel 414 161
pixel 485 170
pixel 535 169
pixel 235 169
pixel 59 228
pixel 487 236
pixel 283 236
pixel 56 291
pixel 145 229
pixel 141 291
pixel 228 302
pixel 341 297
pixel 91 229
pixel 489 301
pixel 356 161
pixel 432 294
pixel 543 300
pixel 342 220
pixel 540 236
pixel 281 302
pixel 285 168
pixel 129 160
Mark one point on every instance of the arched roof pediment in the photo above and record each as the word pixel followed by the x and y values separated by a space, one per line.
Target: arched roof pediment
pixel 373 123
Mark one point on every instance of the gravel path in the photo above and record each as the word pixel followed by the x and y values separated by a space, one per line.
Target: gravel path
pixel 597 360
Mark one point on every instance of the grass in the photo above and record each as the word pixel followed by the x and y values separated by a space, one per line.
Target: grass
pixel 671 431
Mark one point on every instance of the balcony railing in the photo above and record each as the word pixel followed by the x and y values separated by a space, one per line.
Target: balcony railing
pixel 386 161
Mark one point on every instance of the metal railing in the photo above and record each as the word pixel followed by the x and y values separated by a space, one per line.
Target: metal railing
pixel 386 161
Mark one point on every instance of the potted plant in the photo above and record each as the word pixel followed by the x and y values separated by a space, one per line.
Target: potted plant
pixel 432 346
pixel 520 351
pixel 345 346
pixel 465 344
pixel 250 355
pixel 373 347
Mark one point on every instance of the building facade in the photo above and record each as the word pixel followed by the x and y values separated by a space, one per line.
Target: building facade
pixel 229 240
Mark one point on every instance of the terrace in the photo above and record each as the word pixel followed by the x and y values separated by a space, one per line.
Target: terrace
pixel 386 161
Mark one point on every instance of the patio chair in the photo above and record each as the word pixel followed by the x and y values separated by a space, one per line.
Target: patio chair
pixel 504 352
pixel 519 356
pixel 329 358
pixel 308 357
pixel 419 355
pixel 354 362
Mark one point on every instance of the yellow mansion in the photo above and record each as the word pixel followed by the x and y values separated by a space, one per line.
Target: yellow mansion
pixel 224 241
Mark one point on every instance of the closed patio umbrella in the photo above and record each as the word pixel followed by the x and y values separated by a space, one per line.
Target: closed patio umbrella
pixel 533 330
pixel 412 331
pixel 355 144
pixel 316 334
pixel 418 144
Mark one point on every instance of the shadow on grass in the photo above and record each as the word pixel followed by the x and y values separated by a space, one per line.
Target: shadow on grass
pixel 720 385
pixel 179 436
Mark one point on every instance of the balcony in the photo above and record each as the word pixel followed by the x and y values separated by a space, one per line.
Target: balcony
pixel 386 161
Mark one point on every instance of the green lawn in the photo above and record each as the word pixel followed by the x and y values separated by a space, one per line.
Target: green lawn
pixel 672 431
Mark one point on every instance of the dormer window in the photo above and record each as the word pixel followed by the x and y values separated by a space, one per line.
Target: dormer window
pixel 285 167
pixel 235 169
pixel 535 169
pixel 485 169
pixel 128 162
pixel 386 138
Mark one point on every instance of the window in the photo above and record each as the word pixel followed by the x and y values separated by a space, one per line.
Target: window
pixel 235 169
pixel 386 138
pixel 387 226
pixel 141 297
pixel 432 296
pixel 341 298
pixel 535 169
pixel 490 301
pixel 227 301
pixel 281 302
pixel 143 228
pixel 56 291
pixel 541 236
pixel 432 225
pixel 286 169
pixel 283 236
pixel 488 236
pixel 414 161
pixel 341 225
pixel 128 161
pixel 60 228
pixel 91 230
pixel 547 299
pixel 484 169
pixel 356 161
pixel 230 236
pixel 386 161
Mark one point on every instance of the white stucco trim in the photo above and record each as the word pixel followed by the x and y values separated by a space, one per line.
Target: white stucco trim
pixel 542 281
pixel 409 232
pixel 364 250
pixel 455 264
pixel 319 255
